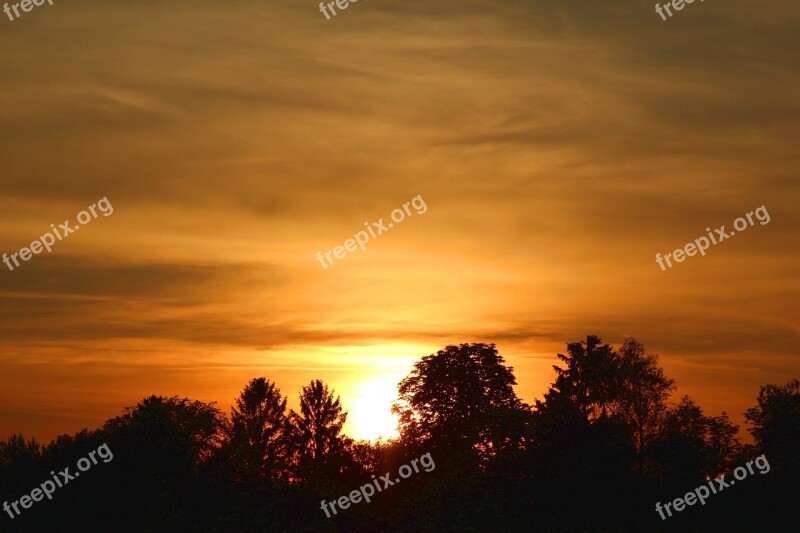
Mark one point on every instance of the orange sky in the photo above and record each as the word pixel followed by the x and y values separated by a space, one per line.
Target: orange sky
pixel 557 147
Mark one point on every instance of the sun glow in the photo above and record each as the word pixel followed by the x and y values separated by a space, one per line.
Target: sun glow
pixel 370 413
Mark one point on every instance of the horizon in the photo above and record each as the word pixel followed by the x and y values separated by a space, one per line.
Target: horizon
pixel 360 425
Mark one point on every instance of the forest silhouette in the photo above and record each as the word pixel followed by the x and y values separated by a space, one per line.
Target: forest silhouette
pixel 607 441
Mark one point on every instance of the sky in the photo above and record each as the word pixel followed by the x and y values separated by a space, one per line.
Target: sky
pixel 558 147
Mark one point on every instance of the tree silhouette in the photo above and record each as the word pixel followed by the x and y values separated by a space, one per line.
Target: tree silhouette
pixel 776 424
pixel 691 445
pixel 600 382
pixel 16 450
pixel 257 435
pixel 159 446
pixel 642 390
pixel 317 432
pixel 594 455
pixel 460 397
pixel 583 443
pixel 159 422
pixel 589 379
pixel 19 459
pixel 722 442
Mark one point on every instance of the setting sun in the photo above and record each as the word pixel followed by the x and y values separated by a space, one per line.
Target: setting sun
pixel 370 410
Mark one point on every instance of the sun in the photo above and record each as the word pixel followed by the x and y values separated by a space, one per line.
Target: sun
pixel 370 409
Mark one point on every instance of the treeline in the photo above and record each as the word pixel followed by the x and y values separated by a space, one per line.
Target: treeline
pixel 607 442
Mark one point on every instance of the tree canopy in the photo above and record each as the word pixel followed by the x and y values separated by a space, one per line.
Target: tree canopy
pixel 606 435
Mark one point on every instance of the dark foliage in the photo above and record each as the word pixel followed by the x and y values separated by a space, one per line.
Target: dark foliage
pixel 595 454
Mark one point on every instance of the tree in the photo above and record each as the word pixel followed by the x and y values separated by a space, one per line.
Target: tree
pixel 319 445
pixel 642 391
pixel 590 378
pixel 690 445
pixel 461 396
pixel 159 446
pixel 583 444
pixel 17 450
pixel 369 456
pixel 257 437
pixel 776 423
pixel 600 382
pixel 160 423
pixel 19 459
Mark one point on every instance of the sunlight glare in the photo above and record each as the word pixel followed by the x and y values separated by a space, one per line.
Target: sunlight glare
pixel 371 409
